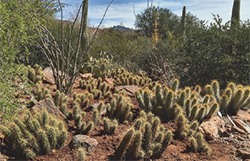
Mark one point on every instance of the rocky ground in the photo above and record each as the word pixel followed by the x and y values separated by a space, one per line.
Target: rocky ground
pixel 228 140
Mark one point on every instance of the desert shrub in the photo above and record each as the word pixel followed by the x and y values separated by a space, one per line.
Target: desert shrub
pixel 216 51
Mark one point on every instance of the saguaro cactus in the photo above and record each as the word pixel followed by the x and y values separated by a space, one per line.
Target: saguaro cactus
pixel 235 19
pixel 183 22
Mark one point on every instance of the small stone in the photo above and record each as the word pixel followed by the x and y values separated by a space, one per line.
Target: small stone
pixel 94 106
pixel 2 158
pixel 83 141
pixel 1 138
pixel 85 76
pixel 212 127
pixel 243 154
pixel 236 129
pixel 242 125
pixel 240 138
pixel 130 89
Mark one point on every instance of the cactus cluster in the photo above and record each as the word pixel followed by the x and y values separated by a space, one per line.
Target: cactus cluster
pixel 163 101
pixel 77 116
pixel 60 99
pixel 123 77
pixel 148 138
pixel 110 126
pixel 198 144
pixel 184 127
pixel 35 74
pixel 97 113
pixel 120 108
pixel 233 98
pixel 97 87
pixel 42 93
pixel 99 68
pixel 35 133
pixel 189 129
pixel 83 99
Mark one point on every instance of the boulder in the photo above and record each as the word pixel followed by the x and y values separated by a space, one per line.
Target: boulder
pixel 212 128
pixel 49 105
pixel 84 141
pixel 130 89
pixel 49 78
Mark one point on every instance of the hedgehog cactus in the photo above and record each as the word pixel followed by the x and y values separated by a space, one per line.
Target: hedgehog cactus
pixel 81 154
pixel 175 85
pixel 35 74
pixel 124 144
pixel 216 89
pixel 136 145
pixel 119 108
pixel 109 127
pixel 35 134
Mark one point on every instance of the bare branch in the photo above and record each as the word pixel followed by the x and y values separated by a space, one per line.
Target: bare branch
pixel 94 35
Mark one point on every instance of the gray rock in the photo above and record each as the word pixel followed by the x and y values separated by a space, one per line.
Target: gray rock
pixel 211 128
pixel 130 89
pixel 49 105
pixel 95 106
pixel 84 141
pixel 49 78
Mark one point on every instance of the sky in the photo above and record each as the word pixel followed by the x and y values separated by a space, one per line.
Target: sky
pixel 123 11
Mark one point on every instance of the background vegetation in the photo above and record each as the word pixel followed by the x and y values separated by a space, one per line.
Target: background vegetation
pixel 209 51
